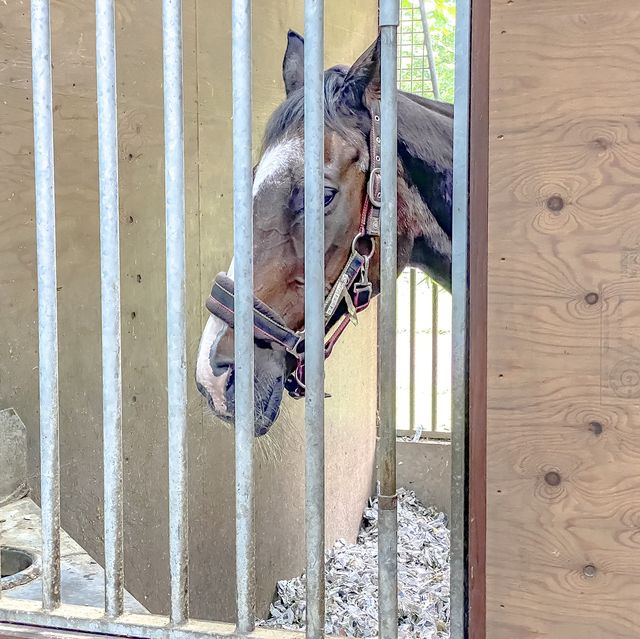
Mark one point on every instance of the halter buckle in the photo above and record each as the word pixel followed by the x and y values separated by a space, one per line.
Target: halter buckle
pixel 373 193
pixel 294 349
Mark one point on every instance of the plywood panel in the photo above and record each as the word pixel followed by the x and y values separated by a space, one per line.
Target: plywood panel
pixel 563 551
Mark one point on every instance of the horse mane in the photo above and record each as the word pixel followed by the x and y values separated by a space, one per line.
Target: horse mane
pixel 425 134
pixel 288 118
pixel 425 148
pixel 444 108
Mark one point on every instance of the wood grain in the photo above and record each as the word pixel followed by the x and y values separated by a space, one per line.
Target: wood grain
pixel 563 377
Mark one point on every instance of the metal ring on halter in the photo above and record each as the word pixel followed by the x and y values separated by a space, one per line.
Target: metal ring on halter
pixel 294 349
pixel 374 197
pixel 359 236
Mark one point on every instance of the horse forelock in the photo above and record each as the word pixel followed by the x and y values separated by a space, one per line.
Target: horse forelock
pixel 288 119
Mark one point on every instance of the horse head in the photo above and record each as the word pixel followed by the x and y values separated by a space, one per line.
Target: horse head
pixel 351 194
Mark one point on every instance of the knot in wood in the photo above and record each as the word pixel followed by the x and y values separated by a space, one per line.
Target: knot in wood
pixel 596 428
pixel 555 203
pixel 553 478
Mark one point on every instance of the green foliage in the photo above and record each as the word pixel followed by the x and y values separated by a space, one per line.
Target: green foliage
pixel 413 72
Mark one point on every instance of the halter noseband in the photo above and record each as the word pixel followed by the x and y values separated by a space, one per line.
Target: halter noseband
pixel 352 286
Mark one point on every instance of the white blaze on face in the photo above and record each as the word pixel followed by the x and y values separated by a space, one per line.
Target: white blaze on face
pixel 276 160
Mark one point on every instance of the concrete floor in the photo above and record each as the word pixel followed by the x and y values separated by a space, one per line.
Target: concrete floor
pixel 82 579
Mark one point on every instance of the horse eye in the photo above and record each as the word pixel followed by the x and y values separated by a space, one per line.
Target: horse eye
pixel 329 194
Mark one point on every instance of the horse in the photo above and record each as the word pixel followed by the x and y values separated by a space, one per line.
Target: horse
pixel 351 203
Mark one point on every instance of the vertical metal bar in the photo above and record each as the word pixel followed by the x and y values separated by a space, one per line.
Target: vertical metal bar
pixel 176 302
pixel 243 345
pixel 429 47
pixel 387 501
pixel 434 355
pixel 47 302
pixel 460 293
pixel 110 289
pixel 314 315
pixel 412 349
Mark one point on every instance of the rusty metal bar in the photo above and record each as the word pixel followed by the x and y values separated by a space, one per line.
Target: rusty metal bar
pixel 47 302
pixel 387 500
pixel 110 294
pixel 176 308
pixel 243 334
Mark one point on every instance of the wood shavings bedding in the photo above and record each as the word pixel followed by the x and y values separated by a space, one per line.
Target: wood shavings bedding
pixel 352 579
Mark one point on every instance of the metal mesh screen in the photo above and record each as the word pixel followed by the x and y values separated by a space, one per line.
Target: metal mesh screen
pixel 413 63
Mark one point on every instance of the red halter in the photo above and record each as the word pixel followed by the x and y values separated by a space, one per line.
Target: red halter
pixel 352 286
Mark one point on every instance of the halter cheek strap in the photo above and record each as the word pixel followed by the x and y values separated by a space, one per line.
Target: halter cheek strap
pixel 351 287
pixel 267 324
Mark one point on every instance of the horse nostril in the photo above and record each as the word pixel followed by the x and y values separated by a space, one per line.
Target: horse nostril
pixel 220 366
pixel 230 379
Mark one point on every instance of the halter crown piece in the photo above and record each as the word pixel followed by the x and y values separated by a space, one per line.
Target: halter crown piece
pixel 350 294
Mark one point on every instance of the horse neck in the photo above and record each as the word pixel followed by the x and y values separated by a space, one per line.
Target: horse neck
pixel 422 243
pixel 425 187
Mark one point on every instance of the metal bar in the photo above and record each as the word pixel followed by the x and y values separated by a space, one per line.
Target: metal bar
pixel 434 355
pixel 176 304
pixel 243 344
pixel 460 294
pixel 47 302
pixel 428 46
pixel 92 620
pixel 314 312
pixel 110 289
pixel 412 349
pixel 387 501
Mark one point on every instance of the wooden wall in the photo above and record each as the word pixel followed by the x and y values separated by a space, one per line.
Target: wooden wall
pixel 563 512
pixel 280 473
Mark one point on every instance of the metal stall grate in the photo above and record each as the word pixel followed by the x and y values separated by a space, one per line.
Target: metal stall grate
pixel 112 619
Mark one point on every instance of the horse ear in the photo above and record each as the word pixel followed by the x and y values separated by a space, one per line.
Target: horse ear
pixel 363 78
pixel 293 63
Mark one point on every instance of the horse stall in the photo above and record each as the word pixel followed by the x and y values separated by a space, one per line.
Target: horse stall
pixel 350 414
pixel 545 360
pixel 126 508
